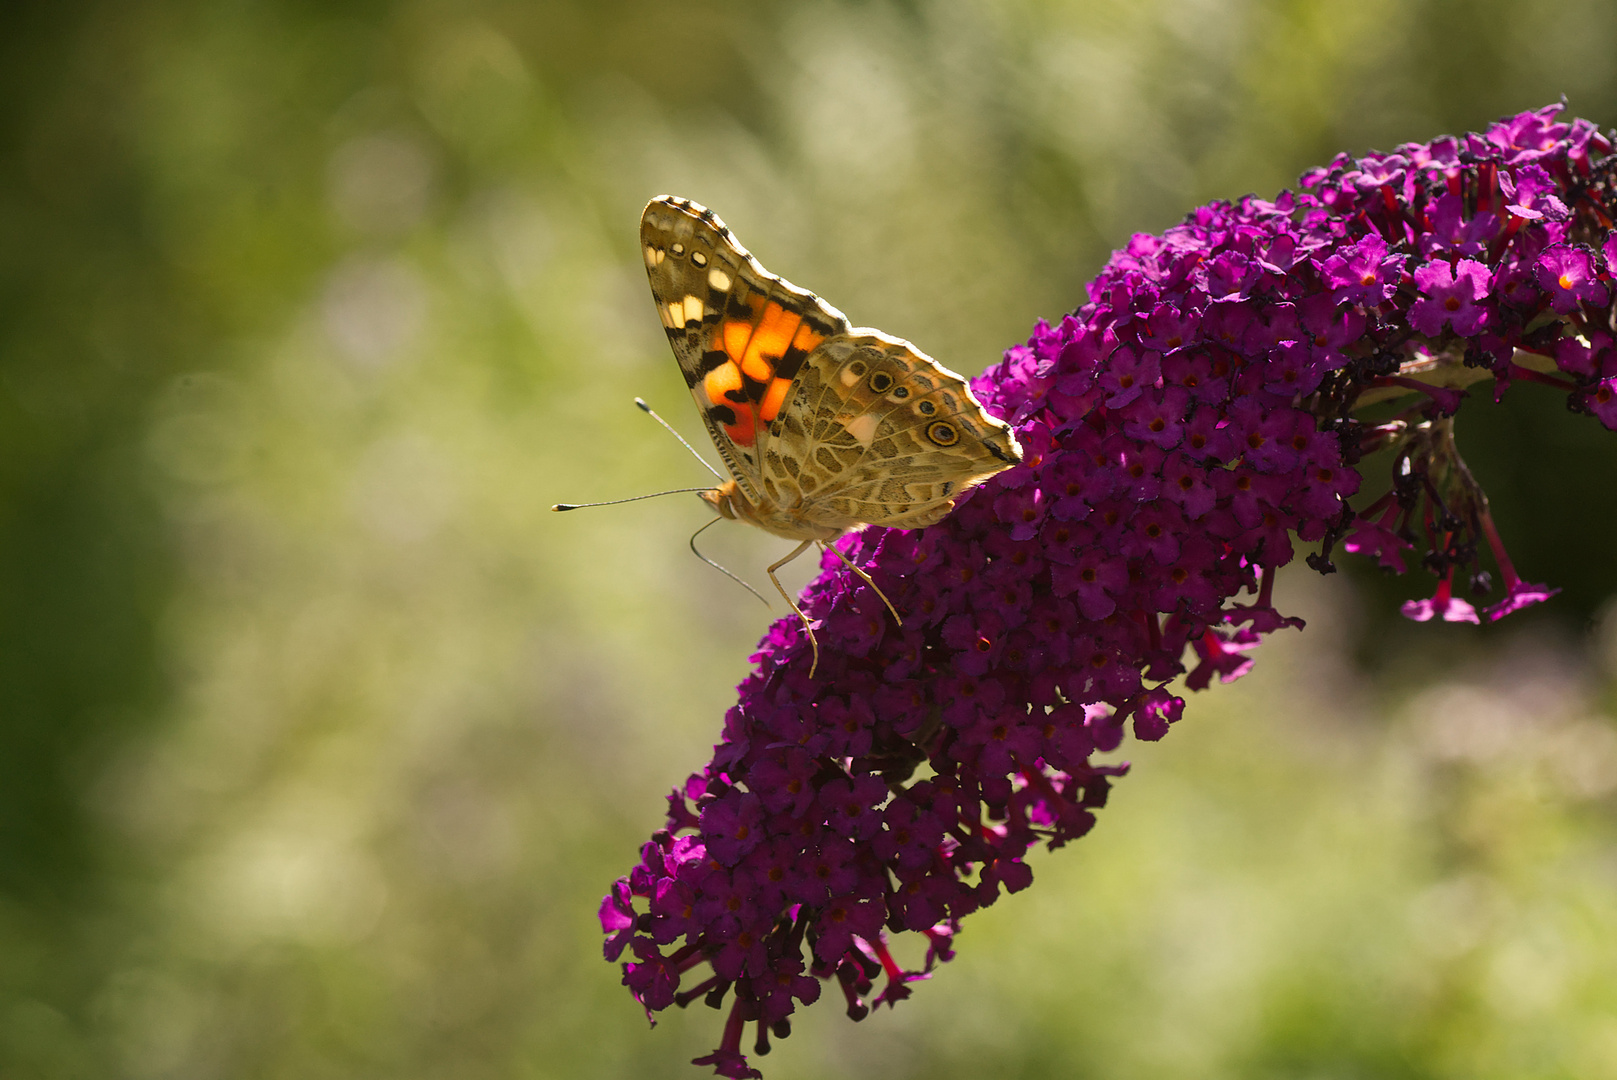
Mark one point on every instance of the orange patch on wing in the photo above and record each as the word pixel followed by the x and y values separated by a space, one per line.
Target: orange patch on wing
pixel 744 431
pixel 806 339
pixel 770 341
pixel 720 380
pixel 736 335
pixel 774 398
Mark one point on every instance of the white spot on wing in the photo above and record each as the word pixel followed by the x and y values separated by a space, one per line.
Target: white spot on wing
pixel 863 428
pixel 719 280
pixel 693 309
pixel 654 257
pixel 676 315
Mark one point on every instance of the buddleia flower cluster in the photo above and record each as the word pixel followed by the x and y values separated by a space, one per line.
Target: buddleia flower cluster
pixel 1215 403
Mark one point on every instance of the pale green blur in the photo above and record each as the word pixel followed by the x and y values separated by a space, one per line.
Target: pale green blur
pixel 324 736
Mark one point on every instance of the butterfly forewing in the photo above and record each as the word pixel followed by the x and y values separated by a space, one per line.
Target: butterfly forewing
pixel 740 334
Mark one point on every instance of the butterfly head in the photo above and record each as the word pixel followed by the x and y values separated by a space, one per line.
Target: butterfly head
pixel 724 499
pixel 729 501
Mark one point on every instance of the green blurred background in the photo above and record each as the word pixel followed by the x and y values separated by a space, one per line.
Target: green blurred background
pixel 320 738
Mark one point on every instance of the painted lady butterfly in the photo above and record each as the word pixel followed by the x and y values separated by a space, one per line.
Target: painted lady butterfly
pixel 825 427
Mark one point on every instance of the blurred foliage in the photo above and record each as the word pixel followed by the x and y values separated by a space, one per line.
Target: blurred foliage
pixel 320 738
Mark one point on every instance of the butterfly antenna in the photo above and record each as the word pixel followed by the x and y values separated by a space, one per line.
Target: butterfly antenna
pixel 558 507
pixel 715 565
pixel 649 412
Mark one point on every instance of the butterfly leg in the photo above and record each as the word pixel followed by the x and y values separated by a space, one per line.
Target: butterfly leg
pixel 807 629
pixel 849 563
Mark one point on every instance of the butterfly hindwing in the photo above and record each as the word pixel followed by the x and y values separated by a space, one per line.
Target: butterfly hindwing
pixel 891 435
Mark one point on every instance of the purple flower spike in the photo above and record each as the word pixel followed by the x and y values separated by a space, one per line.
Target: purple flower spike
pixel 1185 429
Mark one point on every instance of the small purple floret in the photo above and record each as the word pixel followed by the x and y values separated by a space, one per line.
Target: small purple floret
pixel 1450 298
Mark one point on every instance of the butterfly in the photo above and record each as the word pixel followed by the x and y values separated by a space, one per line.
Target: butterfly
pixel 825 427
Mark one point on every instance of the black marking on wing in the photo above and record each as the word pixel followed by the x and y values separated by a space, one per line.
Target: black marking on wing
pixel 722 414
pixel 790 363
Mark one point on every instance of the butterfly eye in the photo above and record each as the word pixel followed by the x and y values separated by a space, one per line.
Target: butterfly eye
pixel 881 382
pixel 926 408
pixel 942 433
